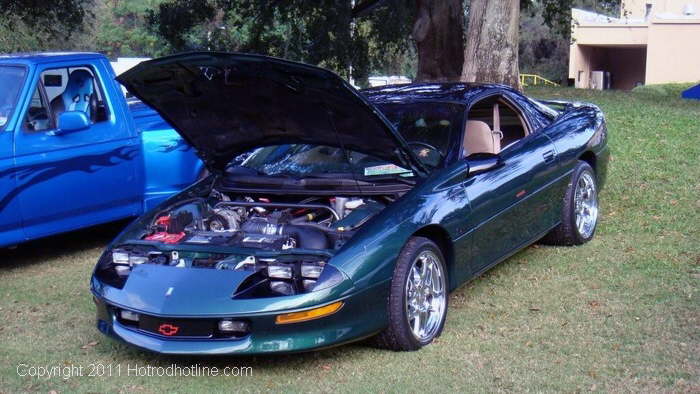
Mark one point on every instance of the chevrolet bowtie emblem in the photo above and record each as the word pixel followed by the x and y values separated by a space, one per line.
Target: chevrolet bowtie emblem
pixel 168 329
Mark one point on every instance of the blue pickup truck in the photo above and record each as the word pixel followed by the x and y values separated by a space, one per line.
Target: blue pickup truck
pixel 74 152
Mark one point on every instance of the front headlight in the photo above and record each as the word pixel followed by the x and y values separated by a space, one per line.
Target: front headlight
pixel 279 271
pixel 120 257
pixel 294 275
pixel 284 277
pixel 312 270
pixel 123 259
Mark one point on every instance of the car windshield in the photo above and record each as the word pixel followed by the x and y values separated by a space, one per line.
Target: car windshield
pixel 304 160
pixel 11 80
pixel 428 127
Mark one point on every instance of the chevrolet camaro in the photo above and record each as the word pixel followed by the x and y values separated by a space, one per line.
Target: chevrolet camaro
pixel 332 215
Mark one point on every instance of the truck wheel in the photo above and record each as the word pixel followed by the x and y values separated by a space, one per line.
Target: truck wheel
pixel 579 216
pixel 417 304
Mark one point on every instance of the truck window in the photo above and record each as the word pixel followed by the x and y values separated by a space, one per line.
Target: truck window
pixel 38 116
pixel 11 80
pixel 66 89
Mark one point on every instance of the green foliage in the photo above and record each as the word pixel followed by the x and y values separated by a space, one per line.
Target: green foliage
pixel 122 30
pixel 55 17
pixel 663 91
pixel 15 36
pixel 34 25
pixel 324 32
pixel 556 14
pixel 541 50
pixel 175 19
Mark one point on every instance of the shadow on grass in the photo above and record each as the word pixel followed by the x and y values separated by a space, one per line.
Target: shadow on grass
pixel 45 250
pixel 265 362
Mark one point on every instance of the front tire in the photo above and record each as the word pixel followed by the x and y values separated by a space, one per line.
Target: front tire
pixel 417 305
pixel 579 216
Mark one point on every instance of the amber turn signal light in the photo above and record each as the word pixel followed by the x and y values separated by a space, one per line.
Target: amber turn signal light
pixel 311 314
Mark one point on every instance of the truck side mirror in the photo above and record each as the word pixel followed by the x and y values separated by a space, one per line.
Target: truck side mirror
pixel 71 121
pixel 483 162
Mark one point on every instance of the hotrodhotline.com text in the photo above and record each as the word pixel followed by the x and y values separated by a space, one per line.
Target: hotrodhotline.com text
pixel 69 371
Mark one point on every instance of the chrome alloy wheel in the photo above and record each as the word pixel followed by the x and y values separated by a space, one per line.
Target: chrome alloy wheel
pixel 586 205
pixel 425 296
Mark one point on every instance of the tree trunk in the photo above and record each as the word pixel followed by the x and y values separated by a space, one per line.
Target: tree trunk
pixel 492 42
pixel 438 32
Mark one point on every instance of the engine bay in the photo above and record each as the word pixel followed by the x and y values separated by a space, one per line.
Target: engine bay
pixel 314 225
pixel 264 222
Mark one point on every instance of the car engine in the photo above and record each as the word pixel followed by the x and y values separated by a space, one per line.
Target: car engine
pixel 317 224
pixel 263 223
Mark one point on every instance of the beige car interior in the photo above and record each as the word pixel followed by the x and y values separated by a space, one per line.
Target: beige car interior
pixel 492 125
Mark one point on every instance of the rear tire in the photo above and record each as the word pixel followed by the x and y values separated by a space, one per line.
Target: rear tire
pixel 579 216
pixel 417 304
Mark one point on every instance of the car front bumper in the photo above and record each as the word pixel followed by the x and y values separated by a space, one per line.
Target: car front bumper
pixel 362 314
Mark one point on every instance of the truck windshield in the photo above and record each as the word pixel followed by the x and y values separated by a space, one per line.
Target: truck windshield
pixel 11 80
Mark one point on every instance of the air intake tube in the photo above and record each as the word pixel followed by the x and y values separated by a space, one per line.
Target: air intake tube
pixel 307 237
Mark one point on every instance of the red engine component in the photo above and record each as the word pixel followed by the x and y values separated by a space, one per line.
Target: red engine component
pixel 163 223
pixel 165 237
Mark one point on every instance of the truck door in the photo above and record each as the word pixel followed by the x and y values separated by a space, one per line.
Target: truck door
pixel 12 81
pixel 72 179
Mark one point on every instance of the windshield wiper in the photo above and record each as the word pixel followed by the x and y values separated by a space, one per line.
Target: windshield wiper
pixel 389 177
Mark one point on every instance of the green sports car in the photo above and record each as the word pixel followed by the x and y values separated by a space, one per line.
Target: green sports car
pixel 331 215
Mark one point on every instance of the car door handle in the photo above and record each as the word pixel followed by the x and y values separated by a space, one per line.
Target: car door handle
pixel 549 156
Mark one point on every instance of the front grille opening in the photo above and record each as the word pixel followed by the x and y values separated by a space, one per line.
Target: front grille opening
pixel 209 328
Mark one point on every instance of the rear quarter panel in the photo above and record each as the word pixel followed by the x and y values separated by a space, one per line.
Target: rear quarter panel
pixel 578 131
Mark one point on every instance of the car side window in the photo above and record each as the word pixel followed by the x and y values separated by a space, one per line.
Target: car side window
pixel 66 89
pixel 430 128
pixel 493 124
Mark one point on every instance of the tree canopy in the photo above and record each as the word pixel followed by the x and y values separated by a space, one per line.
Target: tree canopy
pixel 29 24
pixel 354 38
pixel 330 33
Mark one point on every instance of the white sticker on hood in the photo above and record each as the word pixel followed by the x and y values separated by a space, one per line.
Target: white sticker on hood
pixel 386 169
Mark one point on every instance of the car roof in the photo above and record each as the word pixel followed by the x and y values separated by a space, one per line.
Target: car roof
pixel 28 58
pixel 452 91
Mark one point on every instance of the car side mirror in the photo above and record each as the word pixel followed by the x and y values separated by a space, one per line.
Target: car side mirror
pixel 72 121
pixel 483 162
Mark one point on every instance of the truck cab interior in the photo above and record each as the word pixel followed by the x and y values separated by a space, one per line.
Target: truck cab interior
pixel 65 89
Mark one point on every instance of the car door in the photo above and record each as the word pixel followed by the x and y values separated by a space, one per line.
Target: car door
pixel 79 178
pixel 507 209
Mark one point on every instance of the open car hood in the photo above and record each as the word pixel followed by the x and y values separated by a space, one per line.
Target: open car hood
pixel 224 104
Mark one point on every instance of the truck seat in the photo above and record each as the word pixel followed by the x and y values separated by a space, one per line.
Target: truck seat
pixel 78 95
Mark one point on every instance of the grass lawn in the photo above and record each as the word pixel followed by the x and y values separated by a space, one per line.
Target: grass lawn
pixel 620 313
